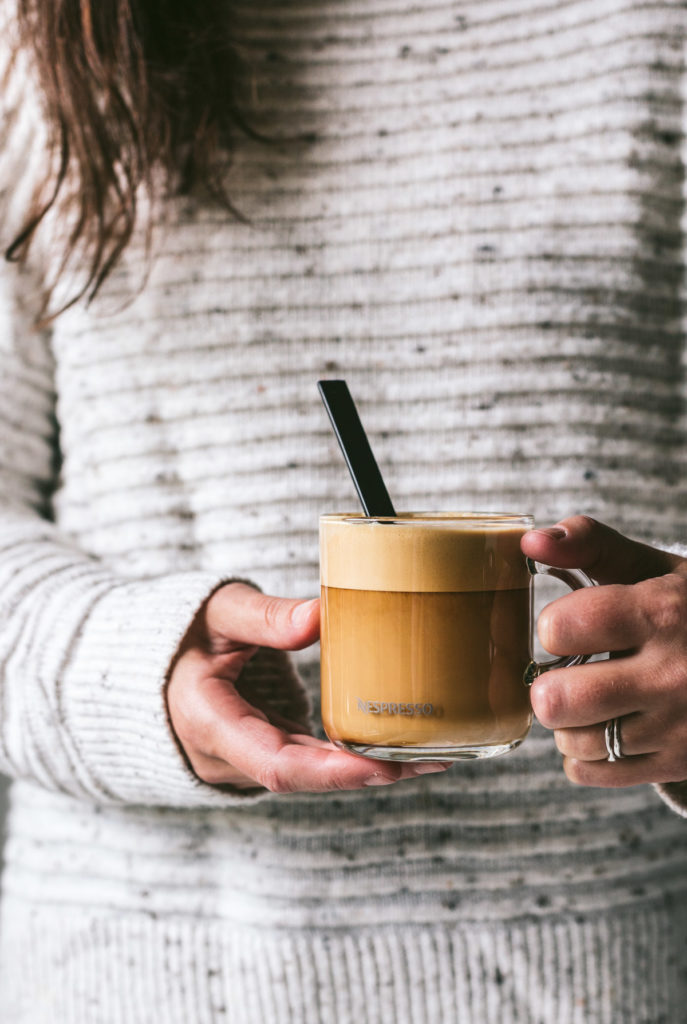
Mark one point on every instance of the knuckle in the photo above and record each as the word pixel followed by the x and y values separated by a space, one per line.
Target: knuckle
pixel 665 603
pixel 582 524
pixel 339 781
pixel 273 780
pixel 278 618
pixel 587 526
pixel 669 678
pixel 272 613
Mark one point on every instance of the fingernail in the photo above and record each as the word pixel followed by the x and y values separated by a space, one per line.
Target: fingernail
pixel 378 780
pixel 301 613
pixel 428 767
pixel 554 532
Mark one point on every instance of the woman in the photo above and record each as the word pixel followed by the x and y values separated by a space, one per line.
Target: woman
pixel 474 216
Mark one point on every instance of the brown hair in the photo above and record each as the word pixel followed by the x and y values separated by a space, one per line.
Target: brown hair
pixel 131 88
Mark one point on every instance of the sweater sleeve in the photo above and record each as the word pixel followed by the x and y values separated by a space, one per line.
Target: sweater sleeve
pixel 83 654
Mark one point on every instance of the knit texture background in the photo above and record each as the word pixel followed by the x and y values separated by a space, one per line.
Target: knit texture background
pixel 474 213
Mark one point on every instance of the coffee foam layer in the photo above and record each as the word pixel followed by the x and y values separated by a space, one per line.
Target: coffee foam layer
pixel 421 557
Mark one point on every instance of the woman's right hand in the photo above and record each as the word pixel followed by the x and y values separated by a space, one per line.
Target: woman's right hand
pixel 230 742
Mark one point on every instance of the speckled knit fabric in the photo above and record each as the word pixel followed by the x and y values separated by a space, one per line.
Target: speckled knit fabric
pixel 474 212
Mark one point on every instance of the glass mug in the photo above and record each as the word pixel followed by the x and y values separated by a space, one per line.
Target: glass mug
pixel 427 621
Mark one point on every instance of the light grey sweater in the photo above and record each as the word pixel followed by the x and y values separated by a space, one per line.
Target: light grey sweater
pixel 475 214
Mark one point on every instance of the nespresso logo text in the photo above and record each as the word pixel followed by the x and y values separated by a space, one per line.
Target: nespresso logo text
pixel 383 707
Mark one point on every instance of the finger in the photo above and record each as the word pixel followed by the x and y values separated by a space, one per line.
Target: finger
pixel 638 734
pixel 595 620
pixel 585 695
pixel 660 767
pixel 581 542
pixel 238 734
pixel 217 772
pixel 247 616
pixel 306 739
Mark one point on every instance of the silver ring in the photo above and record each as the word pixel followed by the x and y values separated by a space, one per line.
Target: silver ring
pixel 612 738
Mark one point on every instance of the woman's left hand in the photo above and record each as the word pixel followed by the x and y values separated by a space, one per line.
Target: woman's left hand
pixel 639 615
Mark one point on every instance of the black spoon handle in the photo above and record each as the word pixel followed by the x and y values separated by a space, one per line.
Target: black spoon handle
pixel 355 446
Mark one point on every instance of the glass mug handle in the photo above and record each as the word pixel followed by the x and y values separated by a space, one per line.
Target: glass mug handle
pixel 576 580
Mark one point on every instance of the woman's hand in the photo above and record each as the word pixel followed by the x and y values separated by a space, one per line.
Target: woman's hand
pixel 639 614
pixel 232 736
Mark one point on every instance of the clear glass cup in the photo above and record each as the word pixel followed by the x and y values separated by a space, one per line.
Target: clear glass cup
pixel 427 622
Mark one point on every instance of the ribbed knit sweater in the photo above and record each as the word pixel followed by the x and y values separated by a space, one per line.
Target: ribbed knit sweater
pixel 475 214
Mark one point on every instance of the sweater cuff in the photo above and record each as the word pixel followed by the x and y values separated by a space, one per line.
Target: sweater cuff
pixel 114 694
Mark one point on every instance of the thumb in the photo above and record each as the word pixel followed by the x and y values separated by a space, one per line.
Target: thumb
pixel 244 615
pixel 583 543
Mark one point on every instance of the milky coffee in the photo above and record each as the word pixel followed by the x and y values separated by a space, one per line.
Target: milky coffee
pixel 426 626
